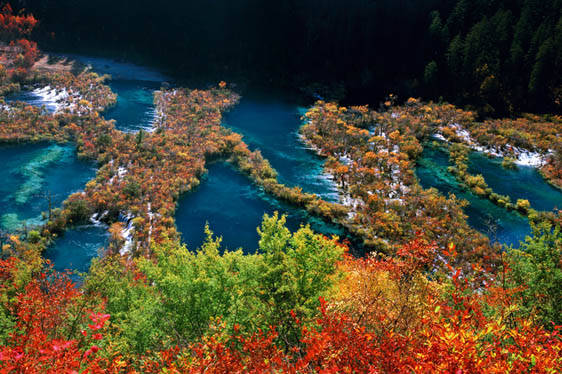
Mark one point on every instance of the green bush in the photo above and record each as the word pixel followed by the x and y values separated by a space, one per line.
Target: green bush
pixel 536 271
pixel 176 296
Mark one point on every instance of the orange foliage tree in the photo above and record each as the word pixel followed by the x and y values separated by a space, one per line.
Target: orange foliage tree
pixel 15 29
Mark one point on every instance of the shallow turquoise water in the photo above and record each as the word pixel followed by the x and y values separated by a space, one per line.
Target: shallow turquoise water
pixel 500 225
pixel 525 182
pixel 234 208
pixel 30 172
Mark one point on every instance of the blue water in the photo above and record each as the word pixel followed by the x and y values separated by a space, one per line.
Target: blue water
pixel 33 99
pixel 500 225
pixel 134 109
pixel 232 205
pixel 77 247
pixel 270 123
pixel 30 173
pixel 525 182
pixel 134 86
pixel 234 208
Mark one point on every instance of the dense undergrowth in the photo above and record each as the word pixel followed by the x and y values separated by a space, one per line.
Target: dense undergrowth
pixel 300 304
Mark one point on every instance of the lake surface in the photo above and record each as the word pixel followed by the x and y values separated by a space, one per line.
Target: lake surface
pixel 234 208
pixel 270 123
pixel 232 205
pixel 134 86
pixel 134 109
pixel 525 182
pixel 497 223
pixel 77 247
pixel 32 172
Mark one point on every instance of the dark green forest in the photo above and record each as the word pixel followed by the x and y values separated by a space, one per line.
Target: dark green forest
pixel 500 56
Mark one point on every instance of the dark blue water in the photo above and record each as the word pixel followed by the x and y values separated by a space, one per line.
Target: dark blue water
pixel 77 247
pixel 525 182
pixel 234 208
pixel 30 173
pixel 500 225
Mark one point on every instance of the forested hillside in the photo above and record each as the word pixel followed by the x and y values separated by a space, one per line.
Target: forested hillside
pixel 502 56
pixel 499 55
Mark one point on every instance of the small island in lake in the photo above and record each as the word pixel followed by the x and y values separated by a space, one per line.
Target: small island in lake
pixel 271 188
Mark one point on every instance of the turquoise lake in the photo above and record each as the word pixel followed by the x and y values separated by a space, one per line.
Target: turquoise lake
pixel 497 223
pixel 270 123
pixel 232 205
pixel 525 182
pixel 226 199
pixel 234 208
pixel 77 247
pixel 31 173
